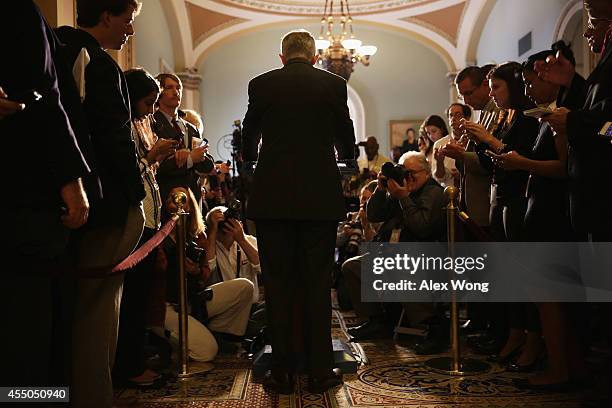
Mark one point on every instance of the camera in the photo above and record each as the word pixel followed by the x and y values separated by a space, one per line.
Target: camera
pixel 355 237
pixel 233 210
pixel 395 172
pixel 194 252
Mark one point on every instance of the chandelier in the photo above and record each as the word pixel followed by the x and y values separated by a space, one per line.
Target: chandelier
pixel 340 51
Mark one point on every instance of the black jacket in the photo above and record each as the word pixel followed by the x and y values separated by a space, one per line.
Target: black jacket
pixel 300 113
pixel 107 107
pixel 40 151
pixel 590 155
pixel 168 174
pixel 420 216
pixel 520 136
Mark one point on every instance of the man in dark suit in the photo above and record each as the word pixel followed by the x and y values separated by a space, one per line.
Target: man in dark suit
pixel 300 113
pixel 589 153
pixel 36 188
pixel 188 163
pixel 117 220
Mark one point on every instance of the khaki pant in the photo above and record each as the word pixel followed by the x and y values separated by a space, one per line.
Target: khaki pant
pixel 96 319
pixel 228 312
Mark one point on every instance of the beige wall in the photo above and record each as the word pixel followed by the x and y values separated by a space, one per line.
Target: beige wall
pixel 405 80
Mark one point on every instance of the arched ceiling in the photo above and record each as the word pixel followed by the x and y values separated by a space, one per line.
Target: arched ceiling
pixel 449 27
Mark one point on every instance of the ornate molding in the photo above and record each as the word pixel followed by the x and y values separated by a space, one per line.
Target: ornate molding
pixel 190 78
pixel 315 8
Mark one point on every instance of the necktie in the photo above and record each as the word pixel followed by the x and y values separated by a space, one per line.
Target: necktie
pixel 180 135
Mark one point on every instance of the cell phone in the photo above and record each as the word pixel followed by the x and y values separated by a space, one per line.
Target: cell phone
pixel 27 97
pixel 491 153
pixel 539 112
pixel 606 130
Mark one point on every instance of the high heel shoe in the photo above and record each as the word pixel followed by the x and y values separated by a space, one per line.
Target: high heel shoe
pixel 497 358
pixel 536 364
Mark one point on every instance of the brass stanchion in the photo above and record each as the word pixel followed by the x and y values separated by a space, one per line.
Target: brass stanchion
pixel 180 199
pixel 454 365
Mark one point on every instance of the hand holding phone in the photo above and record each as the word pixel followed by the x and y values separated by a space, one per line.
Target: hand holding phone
pixel 7 106
pixel 491 154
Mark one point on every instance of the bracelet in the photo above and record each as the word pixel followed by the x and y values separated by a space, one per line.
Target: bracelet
pixel 501 148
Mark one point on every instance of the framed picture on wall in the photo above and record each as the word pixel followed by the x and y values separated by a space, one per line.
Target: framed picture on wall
pixel 398 128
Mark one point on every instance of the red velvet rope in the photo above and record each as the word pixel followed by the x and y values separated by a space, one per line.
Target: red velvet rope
pixel 146 248
pixel 129 262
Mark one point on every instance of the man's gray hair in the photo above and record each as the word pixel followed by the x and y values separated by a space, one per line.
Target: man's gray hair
pixel 418 157
pixel 298 43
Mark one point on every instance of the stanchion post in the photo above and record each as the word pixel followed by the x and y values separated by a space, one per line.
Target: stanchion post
pixel 180 199
pixel 451 213
pixel 454 365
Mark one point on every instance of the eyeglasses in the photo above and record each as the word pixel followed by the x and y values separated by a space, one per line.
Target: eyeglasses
pixel 411 173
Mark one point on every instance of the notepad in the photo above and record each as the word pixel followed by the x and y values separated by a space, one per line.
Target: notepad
pixel 606 130
pixel 538 112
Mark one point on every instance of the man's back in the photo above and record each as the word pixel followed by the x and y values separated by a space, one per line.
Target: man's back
pixel 301 112
pixel 588 152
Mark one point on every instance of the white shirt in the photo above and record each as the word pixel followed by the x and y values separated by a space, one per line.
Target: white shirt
pixel 225 259
pixel 183 126
pixel 449 164
pixel 373 165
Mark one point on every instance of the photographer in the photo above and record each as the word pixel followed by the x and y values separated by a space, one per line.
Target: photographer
pixel 231 253
pixel 222 308
pixel 356 228
pixel 219 185
pixel 409 203
pixel 352 232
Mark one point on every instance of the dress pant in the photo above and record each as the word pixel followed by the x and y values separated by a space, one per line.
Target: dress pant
pixel 96 322
pixel 130 359
pixel 351 270
pixel 297 259
pixel 507 216
pixel 26 299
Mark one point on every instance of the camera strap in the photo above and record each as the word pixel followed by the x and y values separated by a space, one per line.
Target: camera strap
pixel 238 256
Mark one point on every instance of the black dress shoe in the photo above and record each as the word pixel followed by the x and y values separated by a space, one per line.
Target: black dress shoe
pixel 487 347
pixel 371 329
pixel 508 358
pixel 527 368
pixel 279 383
pixel 153 384
pixel 431 346
pixel 318 385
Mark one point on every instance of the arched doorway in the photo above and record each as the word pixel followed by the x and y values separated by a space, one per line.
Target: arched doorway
pixel 357 113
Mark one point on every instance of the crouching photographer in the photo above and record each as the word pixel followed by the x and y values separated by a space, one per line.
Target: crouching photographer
pixel 351 233
pixel 232 254
pixel 409 204
pixel 218 311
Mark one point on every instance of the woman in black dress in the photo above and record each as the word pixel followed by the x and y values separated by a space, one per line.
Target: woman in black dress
pixel 547 220
pixel 515 133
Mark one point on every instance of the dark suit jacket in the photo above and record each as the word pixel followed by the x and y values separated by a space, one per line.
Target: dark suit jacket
pixel 40 151
pixel 300 113
pixel 520 137
pixel 168 174
pixel 71 100
pixel 107 107
pixel 589 154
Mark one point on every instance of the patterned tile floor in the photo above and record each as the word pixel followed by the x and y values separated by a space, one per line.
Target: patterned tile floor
pixel 393 377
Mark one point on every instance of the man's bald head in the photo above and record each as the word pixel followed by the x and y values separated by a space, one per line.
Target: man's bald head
pixel 371 147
